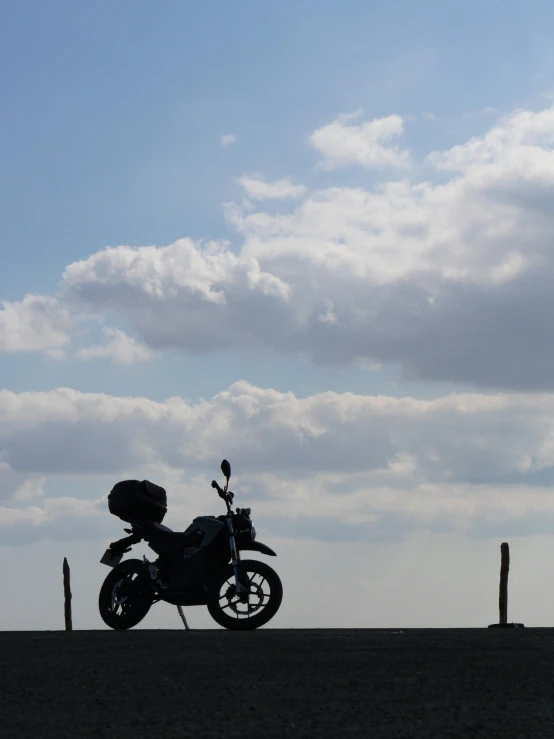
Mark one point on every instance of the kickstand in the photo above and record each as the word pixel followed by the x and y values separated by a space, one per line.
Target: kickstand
pixel 181 613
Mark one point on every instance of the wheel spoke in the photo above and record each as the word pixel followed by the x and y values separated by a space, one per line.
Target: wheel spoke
pixel 230 606
pixel 223 597
pixel 257 598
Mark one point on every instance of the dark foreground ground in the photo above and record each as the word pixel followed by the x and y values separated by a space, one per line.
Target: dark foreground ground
pixel 343 683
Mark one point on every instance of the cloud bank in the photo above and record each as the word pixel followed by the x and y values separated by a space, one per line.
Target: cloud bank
pixel 449 279
pixel 320 466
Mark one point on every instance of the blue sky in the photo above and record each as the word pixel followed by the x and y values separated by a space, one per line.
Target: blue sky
pixel 411 289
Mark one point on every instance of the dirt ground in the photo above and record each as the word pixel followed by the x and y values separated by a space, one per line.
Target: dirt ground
pixel 278 683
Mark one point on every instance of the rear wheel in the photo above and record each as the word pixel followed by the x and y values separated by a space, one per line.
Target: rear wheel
pixel 252 608
pixel 120 607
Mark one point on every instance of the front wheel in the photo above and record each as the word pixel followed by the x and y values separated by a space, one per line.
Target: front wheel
pixel 249 609
pixel 120 607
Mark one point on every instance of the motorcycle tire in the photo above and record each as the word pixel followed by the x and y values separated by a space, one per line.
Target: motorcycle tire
pixel 134 608
pixel 252 568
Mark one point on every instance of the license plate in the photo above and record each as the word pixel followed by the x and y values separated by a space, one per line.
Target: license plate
pixel 110 559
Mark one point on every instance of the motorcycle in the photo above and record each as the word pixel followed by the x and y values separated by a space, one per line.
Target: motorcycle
pixel 201 566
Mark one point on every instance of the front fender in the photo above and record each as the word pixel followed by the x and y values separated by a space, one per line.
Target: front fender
pixel 257 546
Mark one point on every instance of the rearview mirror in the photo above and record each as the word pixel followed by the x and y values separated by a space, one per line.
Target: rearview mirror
pixel 226 469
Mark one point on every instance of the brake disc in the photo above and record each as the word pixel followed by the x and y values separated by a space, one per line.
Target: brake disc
pixel 252 608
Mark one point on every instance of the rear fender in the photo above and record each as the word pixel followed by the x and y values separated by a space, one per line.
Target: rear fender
pixel 142 584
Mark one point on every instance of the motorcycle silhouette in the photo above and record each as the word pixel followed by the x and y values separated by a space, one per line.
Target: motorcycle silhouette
pixel 198 567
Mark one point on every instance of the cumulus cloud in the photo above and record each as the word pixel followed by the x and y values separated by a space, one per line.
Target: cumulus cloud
pixel 36 323
pixel 204 293
pixel 451 280
pixel 228 139
pixel 355 462
pixel 121 348
pixel 343 143
pixel 261 190
pixel 520 144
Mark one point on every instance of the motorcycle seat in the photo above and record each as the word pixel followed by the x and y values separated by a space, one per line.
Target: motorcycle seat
pixel 165 541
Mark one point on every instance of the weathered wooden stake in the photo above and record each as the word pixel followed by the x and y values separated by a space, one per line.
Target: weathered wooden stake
pixel 503 593
pixel 67 596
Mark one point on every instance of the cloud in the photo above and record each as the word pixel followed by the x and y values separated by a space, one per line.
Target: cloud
pixel 452 281
pixel 329 466
pixel 343 144
pixel 520 144
pixel 57 355
pixel 17 485
pixel 36 323
pixel 203 293
pixel 121 348
pixel 449 281
pixel 488 110
pixel 261 190
pixel 31 488
pixel 61 519
pixel 477 439
pixel 228 139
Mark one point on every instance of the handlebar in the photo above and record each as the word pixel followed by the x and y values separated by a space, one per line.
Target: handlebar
pixel 226 495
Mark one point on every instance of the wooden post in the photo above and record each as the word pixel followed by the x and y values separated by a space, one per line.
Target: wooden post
pixel 67 596
pixel 503 593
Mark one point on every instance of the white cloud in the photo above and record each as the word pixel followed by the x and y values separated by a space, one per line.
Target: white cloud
pixel 519 145
pixel 228 139
pixel 328 466
pixel 30 489
pixel 121 348
pixel 36 323
pixel 450 281
pixel 205 294
pixel 11 482
pixel 366 144
pixel 262 190
pixel 488 110
pixel 459 438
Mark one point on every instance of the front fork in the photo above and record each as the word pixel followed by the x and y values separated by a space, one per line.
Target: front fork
pixel 235 556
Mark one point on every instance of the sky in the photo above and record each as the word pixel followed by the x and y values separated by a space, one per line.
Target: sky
pixel 312 238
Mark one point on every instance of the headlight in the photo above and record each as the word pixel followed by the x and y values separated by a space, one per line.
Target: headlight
pixel 253 533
